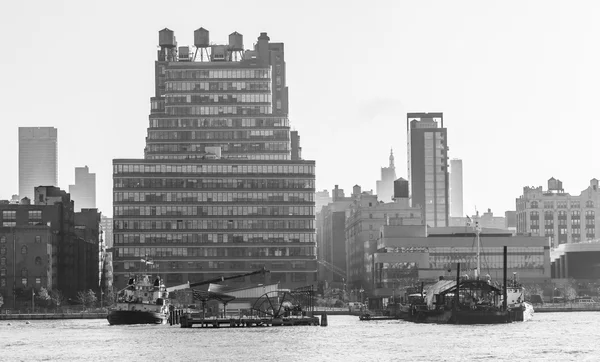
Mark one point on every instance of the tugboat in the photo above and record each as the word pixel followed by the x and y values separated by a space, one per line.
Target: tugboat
pixel 141 302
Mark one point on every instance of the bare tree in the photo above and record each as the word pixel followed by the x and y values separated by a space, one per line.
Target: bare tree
pixel 57 298
pixel 91 297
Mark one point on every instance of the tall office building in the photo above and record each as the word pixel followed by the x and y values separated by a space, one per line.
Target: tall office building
pixel 38 159
pixel 456 188
pixel 219 191
pixel 428 166
pixel 84 190
pixel 385 186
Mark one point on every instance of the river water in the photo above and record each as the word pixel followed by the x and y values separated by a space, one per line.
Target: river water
pixel 548 337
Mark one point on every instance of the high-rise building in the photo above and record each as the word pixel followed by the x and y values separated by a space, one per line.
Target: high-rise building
pixel 84 190
pixel 385 186
pixel 364 218
pixel 456 188
pixel 557 215
pixel 322 198
pixel 428 166
pixel 38 159
pixel 219 191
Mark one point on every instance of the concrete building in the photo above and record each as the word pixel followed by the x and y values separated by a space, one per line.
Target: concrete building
pixel 456 188
pixel 408 255
pixel 322 198
pixel 428 166
pixel 218 191
pixel 84 190
pixel 38 159
pixel 555 214
pixel 47 236
pixel 364 217
pixel 331 239
pixel 577 261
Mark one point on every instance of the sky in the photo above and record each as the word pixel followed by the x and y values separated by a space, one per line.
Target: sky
pixel 517 82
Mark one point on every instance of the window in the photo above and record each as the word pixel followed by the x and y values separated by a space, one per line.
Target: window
pixel 24 249
pixel 534 205
pixel 2 261
pixel 589 203
pixel 2 239
pixel 24 272
pixel 38 260
pixel 38 239
pixel 2 282
pixel 2 250
pixel 9 215
pixel 2 272
pixel 38 280
pixel 24 281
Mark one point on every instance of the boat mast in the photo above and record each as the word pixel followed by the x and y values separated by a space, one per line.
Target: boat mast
pixel 477 232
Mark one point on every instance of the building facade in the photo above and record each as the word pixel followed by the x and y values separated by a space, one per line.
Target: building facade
pixel 385 186
pixel 38 159
pixel 486 220
pixel 428 166
pixel 218 191
pixel 555 214
pixel 456 188
pixel 364 217
pixel 48 245
pixel 84 190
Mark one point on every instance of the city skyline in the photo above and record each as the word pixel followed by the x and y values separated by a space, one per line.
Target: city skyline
pixel 499 87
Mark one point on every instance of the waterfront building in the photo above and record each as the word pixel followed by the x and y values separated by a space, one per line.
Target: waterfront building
pixel 47 236
pixel 456 188
pixel 218 191
pixel 364 217
pixel 84 190
pixel 428 166
pixel 408 255
pixel 577 261
pixel 385 186
pixel 331 239
pixel 38 159
pixel 560 216
pixel 106 227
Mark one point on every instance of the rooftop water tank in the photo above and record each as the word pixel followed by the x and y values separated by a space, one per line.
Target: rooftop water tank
pixel 166 38
pixel 201 38
pixel 236 41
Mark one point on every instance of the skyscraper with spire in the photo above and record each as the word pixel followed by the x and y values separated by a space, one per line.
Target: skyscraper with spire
pixel 385 186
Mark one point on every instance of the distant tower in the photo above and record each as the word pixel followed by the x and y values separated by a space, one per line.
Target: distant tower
pixel 83 193
pixel 385 186
pixel 456 188
pixel 38 159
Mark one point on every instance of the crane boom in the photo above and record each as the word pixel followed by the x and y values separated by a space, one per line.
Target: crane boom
pixel 216 280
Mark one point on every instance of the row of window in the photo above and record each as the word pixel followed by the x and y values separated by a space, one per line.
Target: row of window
pixel 24 282
pixel 218 122
pixel 227 147
pixel 23 249
pixel 573 204
pixel 204 183
pixel 214 252
pixel 209 197
pixel 173 278
pixel 575 214
pixel 226 99
pixel 218 110
pixel 217 73
pixel 216 169
pixel 198 238
pixel 214 224
pixel 252 156
pixel 200 265
pixel 277 134
pixel 214 211
pixel 218 86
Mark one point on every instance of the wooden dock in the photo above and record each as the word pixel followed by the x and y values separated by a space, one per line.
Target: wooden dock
pixel 191 319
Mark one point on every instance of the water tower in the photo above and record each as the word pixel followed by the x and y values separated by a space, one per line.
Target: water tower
pixel 236 46
pixel 168 45
pixel 202 43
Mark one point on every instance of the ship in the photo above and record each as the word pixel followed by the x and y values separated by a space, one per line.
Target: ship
pixel 142 301
pixel 469 300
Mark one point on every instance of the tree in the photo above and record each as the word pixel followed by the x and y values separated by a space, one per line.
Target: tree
pixel 57 298
pixel 91 297
pixel 1 300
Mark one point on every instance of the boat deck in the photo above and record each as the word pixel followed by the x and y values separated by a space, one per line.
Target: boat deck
pixel 189 320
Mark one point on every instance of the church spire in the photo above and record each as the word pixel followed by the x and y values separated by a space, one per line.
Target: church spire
pixel 392 158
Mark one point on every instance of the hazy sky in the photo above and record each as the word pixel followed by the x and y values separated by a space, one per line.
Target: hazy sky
pixel 517 82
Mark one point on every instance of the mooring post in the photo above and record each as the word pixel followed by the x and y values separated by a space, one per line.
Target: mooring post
pixel 504 293
pixel 456 295
pixel 324 320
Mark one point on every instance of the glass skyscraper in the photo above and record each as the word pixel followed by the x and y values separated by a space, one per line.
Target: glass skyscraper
pixel 38 159
pixel 220 190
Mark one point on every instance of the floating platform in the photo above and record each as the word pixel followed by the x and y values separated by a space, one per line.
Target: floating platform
pixel 189 320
